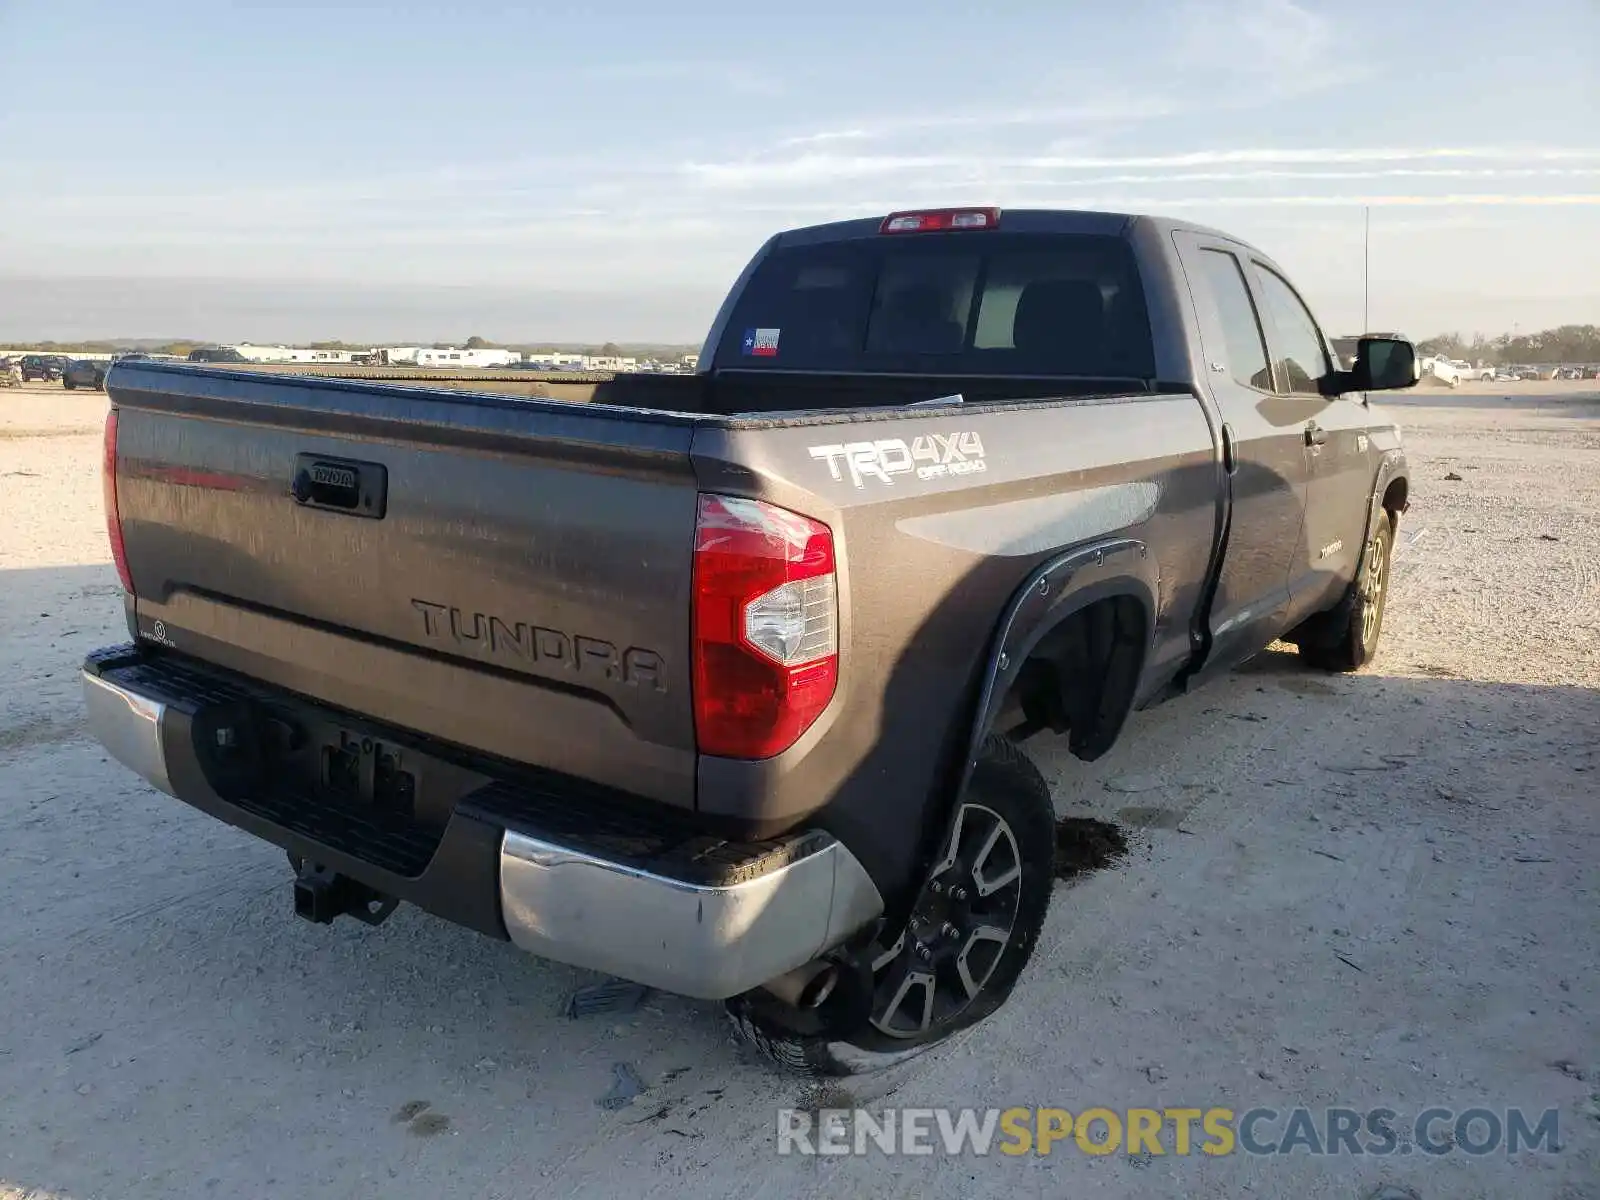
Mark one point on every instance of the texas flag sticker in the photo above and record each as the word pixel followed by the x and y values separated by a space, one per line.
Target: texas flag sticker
pixel 763 343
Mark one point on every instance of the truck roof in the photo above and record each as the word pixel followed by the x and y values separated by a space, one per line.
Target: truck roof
pixel 1012 220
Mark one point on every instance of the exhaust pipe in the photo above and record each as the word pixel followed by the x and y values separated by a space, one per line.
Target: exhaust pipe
pixel 805 987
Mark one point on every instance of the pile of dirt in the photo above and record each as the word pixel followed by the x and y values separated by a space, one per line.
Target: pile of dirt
pixel 1084 844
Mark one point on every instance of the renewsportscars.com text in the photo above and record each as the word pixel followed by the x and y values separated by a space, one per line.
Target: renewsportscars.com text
pixel 1161 1131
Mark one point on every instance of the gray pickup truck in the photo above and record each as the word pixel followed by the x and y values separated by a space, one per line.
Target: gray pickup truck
pixel 716 683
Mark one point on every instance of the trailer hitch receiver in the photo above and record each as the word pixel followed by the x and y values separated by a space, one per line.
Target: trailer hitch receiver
pixel 321 894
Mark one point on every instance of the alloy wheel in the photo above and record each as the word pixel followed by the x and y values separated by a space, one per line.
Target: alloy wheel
pixel 960 926
pixel 1372 593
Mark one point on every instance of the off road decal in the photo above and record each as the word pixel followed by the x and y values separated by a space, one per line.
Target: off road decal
pixel 930 456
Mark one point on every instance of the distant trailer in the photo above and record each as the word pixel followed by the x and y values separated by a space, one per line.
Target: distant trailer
pixel 474 359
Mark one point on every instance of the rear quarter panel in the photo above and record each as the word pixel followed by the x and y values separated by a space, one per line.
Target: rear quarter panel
pixel 929 562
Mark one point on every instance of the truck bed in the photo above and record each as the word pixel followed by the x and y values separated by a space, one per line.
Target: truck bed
pixel 730 392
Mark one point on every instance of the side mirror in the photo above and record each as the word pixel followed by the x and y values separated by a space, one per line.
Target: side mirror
pixel 1383 365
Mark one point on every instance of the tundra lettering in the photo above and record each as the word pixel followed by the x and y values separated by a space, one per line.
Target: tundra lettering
pixel 636 667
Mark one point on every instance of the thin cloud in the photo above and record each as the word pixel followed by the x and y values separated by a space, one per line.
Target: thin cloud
pixel 825 136
pixel 1108 110
pixel 815 168
pixel 1258 176
pixel 1451 200
pixel 1274 49
pixel 742 80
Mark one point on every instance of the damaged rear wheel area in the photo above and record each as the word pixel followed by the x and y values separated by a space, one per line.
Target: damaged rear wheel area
pixel 970 933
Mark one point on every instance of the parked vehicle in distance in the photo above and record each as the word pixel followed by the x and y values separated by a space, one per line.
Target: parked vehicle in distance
pixel 1442 369
pixel 40 368
pixel 216 354
pixel 85 373
pixel 723 685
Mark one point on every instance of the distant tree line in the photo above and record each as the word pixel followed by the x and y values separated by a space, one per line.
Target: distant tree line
pixel 1566 344
pixel 105 347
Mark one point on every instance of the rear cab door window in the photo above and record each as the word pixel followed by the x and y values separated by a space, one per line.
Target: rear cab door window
pixel 1237 325
pixel 1301 353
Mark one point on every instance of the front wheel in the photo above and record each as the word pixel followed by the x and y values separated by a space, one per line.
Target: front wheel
pixel 1352 636
pixel 972 929
pixel 69 385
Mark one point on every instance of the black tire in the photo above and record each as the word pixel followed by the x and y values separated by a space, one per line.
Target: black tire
pixel 1005 794
pixel 69 385
pixel 1349 639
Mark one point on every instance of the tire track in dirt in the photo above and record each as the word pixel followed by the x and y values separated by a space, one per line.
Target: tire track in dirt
pixel 41 731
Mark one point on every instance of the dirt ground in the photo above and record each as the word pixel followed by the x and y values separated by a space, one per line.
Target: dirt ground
pixel 1363 891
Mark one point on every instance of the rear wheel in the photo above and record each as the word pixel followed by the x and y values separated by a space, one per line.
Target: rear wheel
pixel 971 932
pixel 1351 637
pixel 69 385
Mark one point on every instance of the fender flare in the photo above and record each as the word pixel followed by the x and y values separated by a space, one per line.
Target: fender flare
pixel 1064 585
pixel 1391 466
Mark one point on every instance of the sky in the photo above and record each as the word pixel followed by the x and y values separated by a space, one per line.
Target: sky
pixel 603 170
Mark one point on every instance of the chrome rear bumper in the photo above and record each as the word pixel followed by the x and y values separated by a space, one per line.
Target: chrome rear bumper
pixel 712 936
pixel 129 726
pixel 697 939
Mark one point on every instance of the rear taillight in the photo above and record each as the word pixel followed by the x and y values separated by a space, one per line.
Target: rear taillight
pixel 108 476
pixel 766 626
pixel 935 219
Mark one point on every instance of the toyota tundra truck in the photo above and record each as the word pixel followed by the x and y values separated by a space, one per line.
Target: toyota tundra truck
pixel 718 683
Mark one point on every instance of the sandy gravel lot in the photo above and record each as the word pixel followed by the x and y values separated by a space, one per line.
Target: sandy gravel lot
pixel 1375 890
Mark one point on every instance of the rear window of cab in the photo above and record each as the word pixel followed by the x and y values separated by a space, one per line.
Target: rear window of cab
pixel 979 303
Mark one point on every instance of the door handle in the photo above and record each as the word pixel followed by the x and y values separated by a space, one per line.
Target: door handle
pixel 1230 456
pixel 358 489
pixel 1316 435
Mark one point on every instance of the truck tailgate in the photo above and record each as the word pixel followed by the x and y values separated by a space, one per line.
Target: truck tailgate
pixel 510 576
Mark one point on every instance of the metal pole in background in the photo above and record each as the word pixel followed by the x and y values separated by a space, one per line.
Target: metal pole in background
pixel 1366 274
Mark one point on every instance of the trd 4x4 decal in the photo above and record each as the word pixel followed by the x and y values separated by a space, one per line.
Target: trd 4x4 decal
pixel 931 456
